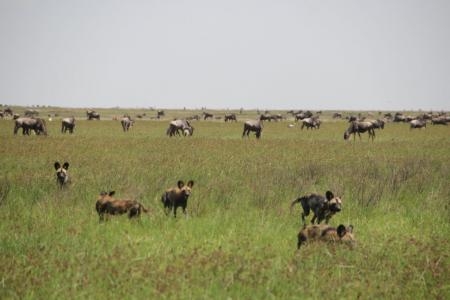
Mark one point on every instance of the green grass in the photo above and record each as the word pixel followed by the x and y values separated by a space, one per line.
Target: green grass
pixel 239 240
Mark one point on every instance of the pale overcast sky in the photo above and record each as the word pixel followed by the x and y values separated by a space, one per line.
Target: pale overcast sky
pixel 286 54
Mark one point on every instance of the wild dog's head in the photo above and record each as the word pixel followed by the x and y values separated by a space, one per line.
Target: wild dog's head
pixel 334 204
pixel 62 176
pixel 105 196
pixel 185 190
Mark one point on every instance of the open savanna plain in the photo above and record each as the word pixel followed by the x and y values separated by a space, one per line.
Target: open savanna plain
pixel 239 238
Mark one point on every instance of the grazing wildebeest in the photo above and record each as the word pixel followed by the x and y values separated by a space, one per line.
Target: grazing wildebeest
pixel 253 125
pixel 377 124
pixel 68 124
pixel 31 113
pixel 92 115
pixel 207 115
pixel 313 122
pixel 303 115
pixel 62 176
pixel 126 122
pixel 337 116
pixel 418 123
pixel 230 117
pixel 326 233
pixel 177 197
pixel 159 114
pixel 8 112
pixel 28 124
pixel 322 207
pixel 107 205
pixel 266 117
pixel 442 120
pixel 358 128
pixel 182 125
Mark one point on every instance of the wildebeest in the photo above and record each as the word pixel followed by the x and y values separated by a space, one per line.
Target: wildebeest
pixel 322 207
pixel 177 197
pixel 441 120
pixel 326 233
pixel 27 124
pixel 8 112
pixel 126 122
pixel 92 115
pixel 230 117
pixel 313 123
pixel 62 176
pixel 68 124
pixel 417 123
pixel 207 116
pixel 302 115
pixel 337 115
pixel 358 128
pixel 253 125
pixel 159 114
pixel 107 205
pixel 183 125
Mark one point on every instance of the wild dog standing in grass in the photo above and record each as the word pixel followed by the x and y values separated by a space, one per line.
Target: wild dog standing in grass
pixel 326 233
pixel 176 197
pixel 106 204
pixel 323 207
pixel 62 176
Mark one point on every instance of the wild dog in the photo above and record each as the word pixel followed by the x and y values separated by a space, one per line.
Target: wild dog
pixel 62 176
pixel 177 196
pixel 106 204
pixel 326 233
pixel 323 207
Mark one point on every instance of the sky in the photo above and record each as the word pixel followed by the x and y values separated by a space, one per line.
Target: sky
pixel 285 54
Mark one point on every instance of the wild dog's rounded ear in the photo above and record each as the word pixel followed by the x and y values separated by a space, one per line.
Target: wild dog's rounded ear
pixel 329 195
pixel 66 165
pixel 57 165
pixel 180 184
pixel 341 230
pixel 190 183
pixel 103 193
pixel 111 193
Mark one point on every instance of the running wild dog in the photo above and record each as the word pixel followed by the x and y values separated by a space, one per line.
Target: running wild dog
pixel 108 205
pixel 326 233
pixel 62 176
pixel 323 207
pixel 176 197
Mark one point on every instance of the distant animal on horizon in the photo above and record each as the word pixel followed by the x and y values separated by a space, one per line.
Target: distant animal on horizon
pixel 92 115
pixel 67 124
pixel 207 115
pixel 322 207
pixel 176 197
pixel 107 205
pixel 357 127
pixel 253 125
pixel 417 123
pixel 62 175
pixel 126 122
pixel 311 123
pixel 230 117
pixel 325 233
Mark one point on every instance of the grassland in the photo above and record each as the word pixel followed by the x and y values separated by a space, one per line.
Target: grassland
pixel 239 239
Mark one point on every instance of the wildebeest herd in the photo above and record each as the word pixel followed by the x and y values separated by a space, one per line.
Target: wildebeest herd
pixel 183 127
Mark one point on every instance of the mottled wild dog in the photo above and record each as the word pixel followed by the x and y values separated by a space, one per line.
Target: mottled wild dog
pixel 323 207
pixel 106 204
pixel 62 176
pixel 176 197
pixel 326 233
